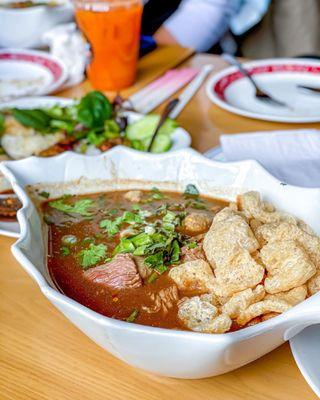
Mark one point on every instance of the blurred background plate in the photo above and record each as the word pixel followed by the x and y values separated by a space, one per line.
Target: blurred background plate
pixel 305 348
pixel 230 90
pixel 29 73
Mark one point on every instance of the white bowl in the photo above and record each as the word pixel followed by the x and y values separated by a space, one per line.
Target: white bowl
pixel 167 352
pixel 24 27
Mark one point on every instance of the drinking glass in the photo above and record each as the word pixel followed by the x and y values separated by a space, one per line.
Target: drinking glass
pixel 112 28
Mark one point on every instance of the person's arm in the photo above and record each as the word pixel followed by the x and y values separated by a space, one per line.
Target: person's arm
pixel 198 24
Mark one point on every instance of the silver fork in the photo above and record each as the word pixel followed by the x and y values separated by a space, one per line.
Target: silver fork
pixel 259 94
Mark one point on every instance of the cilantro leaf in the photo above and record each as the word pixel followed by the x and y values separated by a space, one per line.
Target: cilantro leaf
pixel 79 207
pixel 111 227
pixel 92 255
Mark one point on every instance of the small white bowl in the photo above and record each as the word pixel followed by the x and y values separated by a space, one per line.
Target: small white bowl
pixel 24 27
pixel 162 351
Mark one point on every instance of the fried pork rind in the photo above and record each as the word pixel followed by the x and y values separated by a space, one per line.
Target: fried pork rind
pixel 228 233
pixel 240 272
pixel 314 284
pixel 252 207
pixel 200 315
pixel 288 231
pixel 261 308
pixel 292 297
pixel 242 300
pixel 196 223
pixel 135 196
pixel 195 276
pixel 288 265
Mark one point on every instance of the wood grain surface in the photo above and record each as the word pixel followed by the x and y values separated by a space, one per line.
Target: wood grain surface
pixel 44 357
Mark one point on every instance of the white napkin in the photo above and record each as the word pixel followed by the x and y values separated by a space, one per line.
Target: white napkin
pixel 67 44
pixel 291 156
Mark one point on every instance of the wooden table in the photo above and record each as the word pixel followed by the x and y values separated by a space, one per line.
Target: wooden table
pixel 44 357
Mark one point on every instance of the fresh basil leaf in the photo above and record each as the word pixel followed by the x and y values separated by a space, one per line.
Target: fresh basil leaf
pixel 92 255
pixel 79 207
pixel 94 109
pixel 35 118
pixel 191 191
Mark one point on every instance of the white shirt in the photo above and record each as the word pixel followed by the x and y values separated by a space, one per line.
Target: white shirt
pixel 200 24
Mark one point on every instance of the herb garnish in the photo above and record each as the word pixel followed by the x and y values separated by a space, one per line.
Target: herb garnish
pixel 133 316
pixel 44 194
pixel 92 255
pixel 191 191
pixel 64 251
pixel 79 207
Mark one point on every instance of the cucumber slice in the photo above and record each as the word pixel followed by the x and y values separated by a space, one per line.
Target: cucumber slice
pixel 161 144
pixel 144 128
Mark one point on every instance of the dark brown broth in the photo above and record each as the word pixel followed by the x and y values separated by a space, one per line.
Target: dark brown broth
pixel 69 276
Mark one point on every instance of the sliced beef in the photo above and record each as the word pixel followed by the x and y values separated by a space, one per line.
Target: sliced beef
pixel 188 254
pixel 120 273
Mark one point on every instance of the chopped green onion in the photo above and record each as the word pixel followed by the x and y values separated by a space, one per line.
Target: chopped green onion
pixel 64 251
pixel 133 316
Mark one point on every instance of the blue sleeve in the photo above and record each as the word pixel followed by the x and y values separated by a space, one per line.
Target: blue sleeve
pixel 200 24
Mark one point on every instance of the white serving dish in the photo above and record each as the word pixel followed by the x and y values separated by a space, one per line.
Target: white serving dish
pixel 24 27
pixel 161 351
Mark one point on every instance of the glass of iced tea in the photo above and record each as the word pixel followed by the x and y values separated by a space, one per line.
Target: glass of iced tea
pixel 112 28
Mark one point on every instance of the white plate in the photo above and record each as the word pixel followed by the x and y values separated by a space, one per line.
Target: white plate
pixel 180 137
pixel 29 73
pixel 305 348
pixel 278 77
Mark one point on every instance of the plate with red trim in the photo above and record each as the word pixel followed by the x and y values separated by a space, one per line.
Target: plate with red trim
pixel 29 73
pixel 280 78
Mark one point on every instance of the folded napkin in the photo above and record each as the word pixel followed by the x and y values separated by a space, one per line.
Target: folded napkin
pixel 291 156
pixel 67 44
